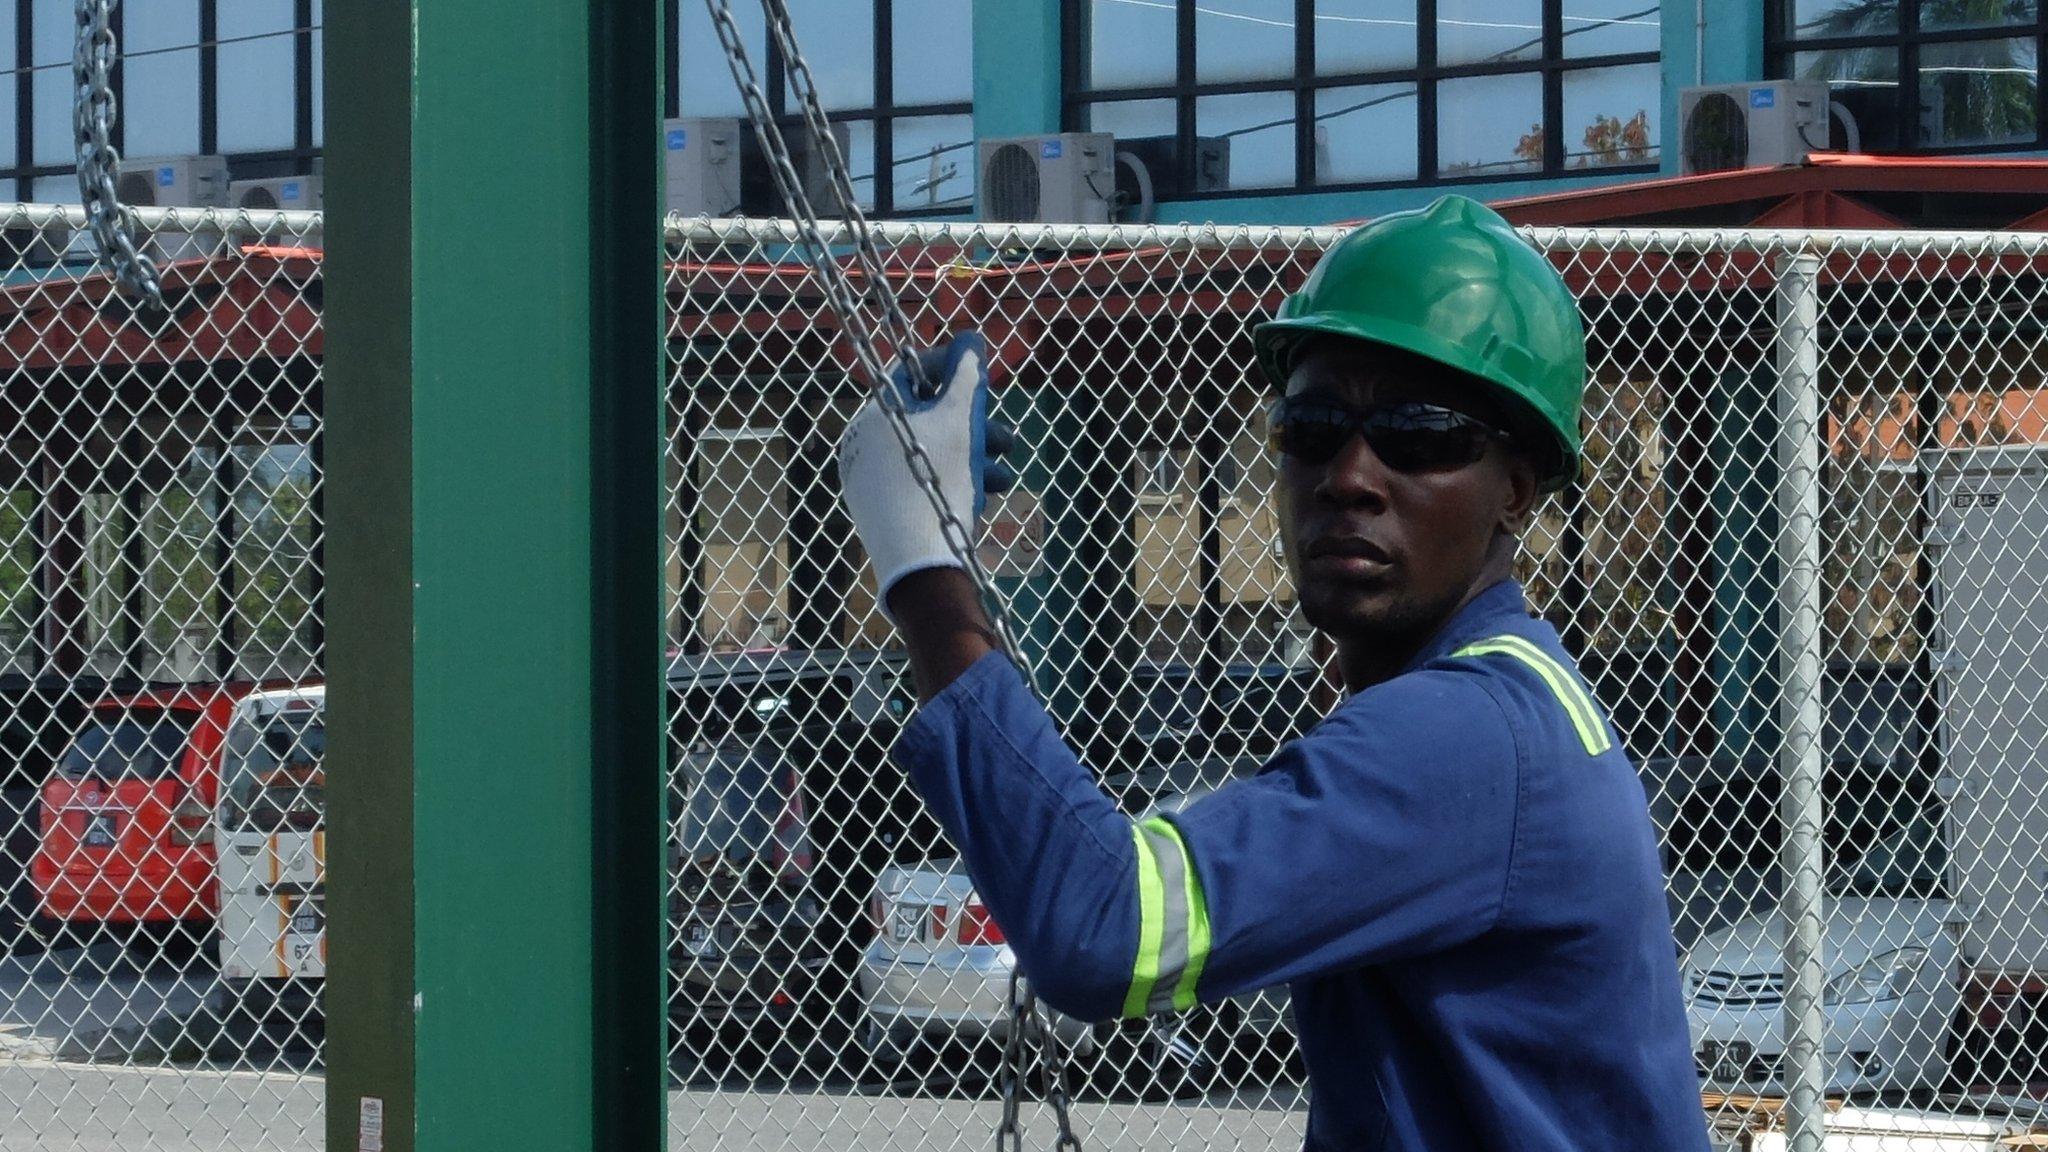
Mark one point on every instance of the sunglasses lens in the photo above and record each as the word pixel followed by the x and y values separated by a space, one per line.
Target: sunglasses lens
pixel 1406 437
pixel 1311 437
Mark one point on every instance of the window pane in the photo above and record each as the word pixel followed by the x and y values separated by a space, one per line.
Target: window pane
pixel 1490 125
pixel 55 24
pixel 844 70
pixel 256 76
pixel 50 89
pixel 1130 43
pixel 1810 19
pixel 273 505
pixel 1259 127
pixel 1866 81
pixel 934 162
pixel 1480 31
pixel 932 50
pixel 8 105
pixel 1602 27
pixel 1244 40
pixel 1132 119
pixel 178 576
pixel 319 80
pixel 53 190
pixel 1610 116
pixel 704 79
pixel 1938 14
pixel 859 147
pixel 1364 35
pixel 160 90
pixel 1979 92
pixel 1365 134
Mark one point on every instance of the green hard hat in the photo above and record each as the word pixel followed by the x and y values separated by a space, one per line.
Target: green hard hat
pixel 1453 283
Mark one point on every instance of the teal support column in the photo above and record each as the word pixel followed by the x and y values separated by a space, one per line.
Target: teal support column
pixel 1016 67
pixel 1745 664
pixel 493 385
pixel 1030 411
pixel 1733 38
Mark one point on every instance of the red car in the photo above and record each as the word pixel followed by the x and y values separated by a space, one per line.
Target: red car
pixel 127 820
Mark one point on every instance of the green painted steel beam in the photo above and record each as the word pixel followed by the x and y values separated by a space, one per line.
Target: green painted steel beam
pixel 493 367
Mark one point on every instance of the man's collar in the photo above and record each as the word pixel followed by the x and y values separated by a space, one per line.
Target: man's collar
pixel 1478 619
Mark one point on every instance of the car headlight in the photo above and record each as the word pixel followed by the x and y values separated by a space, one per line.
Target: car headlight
pixel 1885 976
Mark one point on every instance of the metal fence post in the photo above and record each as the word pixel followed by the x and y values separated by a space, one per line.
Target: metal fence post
pixel 1800 756
pixel 494 441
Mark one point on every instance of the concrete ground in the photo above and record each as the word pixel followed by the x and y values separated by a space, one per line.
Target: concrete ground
pixel 98 1002
pixel 64 1107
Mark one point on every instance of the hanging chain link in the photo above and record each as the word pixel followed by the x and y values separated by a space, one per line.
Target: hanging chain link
pixel 854 308
pixel 93 113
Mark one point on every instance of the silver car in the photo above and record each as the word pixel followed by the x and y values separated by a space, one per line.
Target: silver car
pixel 939 970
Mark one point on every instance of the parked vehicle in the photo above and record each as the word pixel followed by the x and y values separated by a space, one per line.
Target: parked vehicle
pixel 939 971
pixel 781 814
pixel 1937 939
pixel 270 833
pixel 127 816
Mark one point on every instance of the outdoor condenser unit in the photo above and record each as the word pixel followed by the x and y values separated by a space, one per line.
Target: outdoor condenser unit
pixel 715 167
pixel 1062 178
pixel 1761 125
pixel 285 193
pixel 174 182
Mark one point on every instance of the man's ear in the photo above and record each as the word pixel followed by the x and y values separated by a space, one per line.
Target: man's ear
pixel 1523 491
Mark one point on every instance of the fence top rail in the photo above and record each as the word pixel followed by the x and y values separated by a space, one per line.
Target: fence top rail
pixel 300 226
pixel 730 230
pixel 677 229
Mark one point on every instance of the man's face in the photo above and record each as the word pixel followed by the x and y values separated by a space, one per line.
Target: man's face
pixel 1378 553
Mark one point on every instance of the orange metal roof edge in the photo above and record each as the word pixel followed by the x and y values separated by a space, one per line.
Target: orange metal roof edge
pixel 1821 172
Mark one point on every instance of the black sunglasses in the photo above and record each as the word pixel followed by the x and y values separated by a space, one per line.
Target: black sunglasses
pixel 1407 437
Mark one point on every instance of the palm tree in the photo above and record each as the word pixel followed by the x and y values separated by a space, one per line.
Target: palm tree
pixel 1975 90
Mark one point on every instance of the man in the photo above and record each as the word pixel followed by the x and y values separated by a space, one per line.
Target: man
pixel 1455 871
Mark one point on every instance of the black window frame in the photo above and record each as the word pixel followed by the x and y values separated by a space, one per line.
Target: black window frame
pixel 296 160
pixel 1552 65
pixel 1781 44
pixel 882 113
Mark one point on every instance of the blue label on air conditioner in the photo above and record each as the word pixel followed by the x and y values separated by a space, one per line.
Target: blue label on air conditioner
pixel 1049 149
pixel 676 136
pixel 1763 97
pixel 166 176
pixel 290 191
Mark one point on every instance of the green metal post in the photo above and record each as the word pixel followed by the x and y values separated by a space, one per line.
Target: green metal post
pixel 494 640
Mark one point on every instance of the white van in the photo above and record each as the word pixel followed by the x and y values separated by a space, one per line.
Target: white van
pixel 1935 939
pixel 271 836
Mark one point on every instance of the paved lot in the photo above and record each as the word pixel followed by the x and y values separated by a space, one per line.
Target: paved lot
pixel 64 1107
pixel 98 1002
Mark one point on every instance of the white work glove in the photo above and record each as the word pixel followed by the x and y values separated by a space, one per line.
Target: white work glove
pixel 888 507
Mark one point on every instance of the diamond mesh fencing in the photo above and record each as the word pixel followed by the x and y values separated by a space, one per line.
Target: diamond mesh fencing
pixel 1802 570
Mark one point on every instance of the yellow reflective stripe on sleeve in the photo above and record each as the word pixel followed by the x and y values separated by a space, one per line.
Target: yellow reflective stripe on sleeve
pixel 1577 703
pixel 1151 925
pixel 1197 935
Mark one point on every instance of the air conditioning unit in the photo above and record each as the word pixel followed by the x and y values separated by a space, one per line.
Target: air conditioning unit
pixel 701 158
pixel 284 193
pixel 1063 178
pixel 1763 125
pixel 1161 157
pixel 174 182
pixel 715 167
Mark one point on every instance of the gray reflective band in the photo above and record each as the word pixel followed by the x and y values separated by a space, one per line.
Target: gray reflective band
pixel 1173 937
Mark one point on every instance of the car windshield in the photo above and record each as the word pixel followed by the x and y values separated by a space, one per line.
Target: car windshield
pixel 733 802
pixel 715 712
pixel 274 771
pixel 137 744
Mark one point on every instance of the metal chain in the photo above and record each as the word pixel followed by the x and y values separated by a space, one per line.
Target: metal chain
pixel 846 300
pixel 1028 1024
pixel 93 114
pixel 853 305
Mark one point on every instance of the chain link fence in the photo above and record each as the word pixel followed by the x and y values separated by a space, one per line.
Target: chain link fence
pixel 1803 571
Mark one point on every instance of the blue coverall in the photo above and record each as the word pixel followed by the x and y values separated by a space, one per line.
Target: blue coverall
pixel 1454 873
